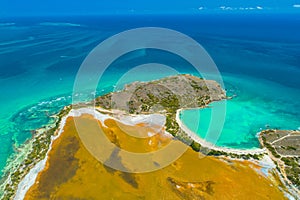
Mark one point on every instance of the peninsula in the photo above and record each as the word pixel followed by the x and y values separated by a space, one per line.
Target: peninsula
pixel 59 165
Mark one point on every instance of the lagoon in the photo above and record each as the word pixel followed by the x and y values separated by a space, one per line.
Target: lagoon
pixel 256 105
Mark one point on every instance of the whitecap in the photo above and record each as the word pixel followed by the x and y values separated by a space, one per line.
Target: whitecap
pixel 7 24
pixel 59 24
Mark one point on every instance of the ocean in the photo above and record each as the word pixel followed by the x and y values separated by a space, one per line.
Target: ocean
pixel 257 55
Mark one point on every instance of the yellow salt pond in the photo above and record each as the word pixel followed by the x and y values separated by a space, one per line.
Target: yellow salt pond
pixel 72 172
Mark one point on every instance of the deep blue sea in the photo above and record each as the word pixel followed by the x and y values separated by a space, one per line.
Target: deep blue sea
pixel 258 56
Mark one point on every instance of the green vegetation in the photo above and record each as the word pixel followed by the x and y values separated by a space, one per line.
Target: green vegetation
pixel 292 170
pixel 216 153
pixel 233 155
pixel 38 152
pixel 104 101
pixel 270 147
pixel 196 146
pixel 171 125
pixel 289 161
pixel 170 103
pixel 145 108
pixel 154 97
pixel 291 148
pixel 291 164
pixel 195 85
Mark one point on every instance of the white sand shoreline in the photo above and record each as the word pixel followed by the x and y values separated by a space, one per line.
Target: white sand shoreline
pixel 157 119
pixel 209 145
pixel 32 175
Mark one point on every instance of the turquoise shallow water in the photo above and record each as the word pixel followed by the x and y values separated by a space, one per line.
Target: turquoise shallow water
pixel 257 105
pixel 39 62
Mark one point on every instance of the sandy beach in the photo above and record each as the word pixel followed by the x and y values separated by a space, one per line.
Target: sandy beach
pixel 30 178
pixel 153 119
pixel 187 171
pixel 206 144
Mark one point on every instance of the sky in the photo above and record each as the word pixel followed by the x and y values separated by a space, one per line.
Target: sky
pixel 99 7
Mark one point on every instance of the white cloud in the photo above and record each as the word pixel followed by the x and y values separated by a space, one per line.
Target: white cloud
pixel 241 8
pixel 226 8
pixel 296 6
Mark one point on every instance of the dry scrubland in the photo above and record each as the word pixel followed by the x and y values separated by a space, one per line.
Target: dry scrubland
pixel 284 148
